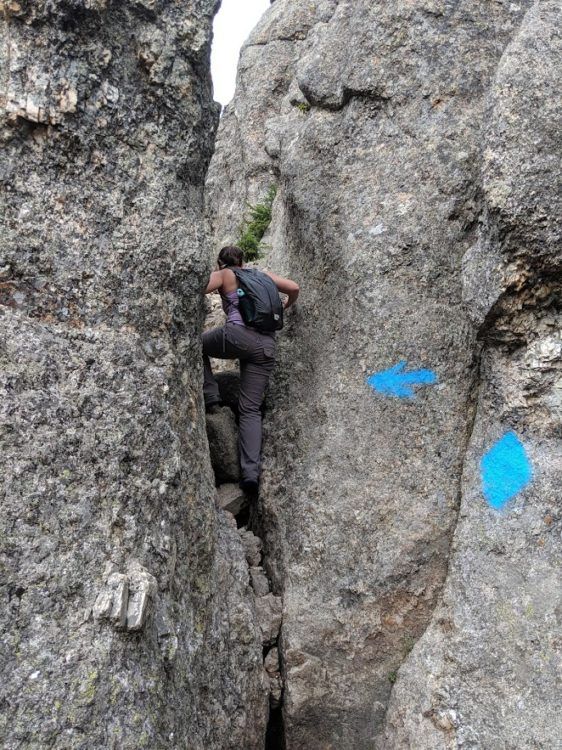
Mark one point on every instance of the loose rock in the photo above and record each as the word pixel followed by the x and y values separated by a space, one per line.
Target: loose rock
pixel 259 581
pixel 252 547
pixel 269 609
pixel 231 498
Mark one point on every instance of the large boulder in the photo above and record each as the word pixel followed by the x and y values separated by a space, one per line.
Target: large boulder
pixel 222 434
pixel 486 673
pixel 127 618
pixel 416 209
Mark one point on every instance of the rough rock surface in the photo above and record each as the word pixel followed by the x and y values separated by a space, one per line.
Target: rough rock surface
pixel 127 618
pixel 416 148
pixel 487 672
pixel 259 581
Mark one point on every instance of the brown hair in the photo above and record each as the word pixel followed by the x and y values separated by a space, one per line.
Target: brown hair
pixel 231 256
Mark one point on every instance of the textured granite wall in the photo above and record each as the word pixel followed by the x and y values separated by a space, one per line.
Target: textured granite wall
pixel 416 147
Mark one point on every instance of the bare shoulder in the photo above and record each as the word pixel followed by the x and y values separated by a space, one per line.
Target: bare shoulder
pixel 229 283
pixel 271 275
pixel 284 285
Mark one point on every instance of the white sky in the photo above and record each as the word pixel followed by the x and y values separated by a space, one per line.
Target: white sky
pixel 233 24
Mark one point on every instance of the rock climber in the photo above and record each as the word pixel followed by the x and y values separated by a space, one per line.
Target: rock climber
pixel 256 352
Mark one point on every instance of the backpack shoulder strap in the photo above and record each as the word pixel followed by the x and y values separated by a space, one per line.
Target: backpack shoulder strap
pixel 241 272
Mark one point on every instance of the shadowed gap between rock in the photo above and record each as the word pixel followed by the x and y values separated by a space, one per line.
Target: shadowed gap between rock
pixel 222 435
pixel 275 735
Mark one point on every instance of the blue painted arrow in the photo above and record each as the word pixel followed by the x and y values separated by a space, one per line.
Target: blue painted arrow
pixel 396 382
pixel 505 470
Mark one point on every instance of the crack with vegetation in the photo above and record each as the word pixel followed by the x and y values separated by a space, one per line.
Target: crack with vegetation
pixel 255 225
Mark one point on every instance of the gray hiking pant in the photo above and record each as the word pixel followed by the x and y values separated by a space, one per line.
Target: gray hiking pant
pixel 256 352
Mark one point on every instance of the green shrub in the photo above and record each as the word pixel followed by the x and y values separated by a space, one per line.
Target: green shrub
pixel 255 226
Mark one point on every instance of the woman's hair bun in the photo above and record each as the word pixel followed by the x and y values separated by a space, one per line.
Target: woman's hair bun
pixel 231 256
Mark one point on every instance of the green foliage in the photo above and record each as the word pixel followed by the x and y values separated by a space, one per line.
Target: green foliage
pixel 302 106
pixel 407 645
pixel 392 677
pixel 255 226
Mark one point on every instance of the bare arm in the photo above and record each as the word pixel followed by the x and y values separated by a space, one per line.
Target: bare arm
pixel 215 282
pixel 286 286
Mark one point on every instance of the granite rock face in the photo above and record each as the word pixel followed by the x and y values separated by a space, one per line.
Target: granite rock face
pixel 398 584
pixel 486 673
pixel 416 149
pixel 127 616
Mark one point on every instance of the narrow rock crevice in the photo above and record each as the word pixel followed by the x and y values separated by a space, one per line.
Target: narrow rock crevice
pixel 275 735
pixel 222 434
pixel 405 195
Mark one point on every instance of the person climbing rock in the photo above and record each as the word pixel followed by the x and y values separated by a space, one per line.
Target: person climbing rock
pixel 253 311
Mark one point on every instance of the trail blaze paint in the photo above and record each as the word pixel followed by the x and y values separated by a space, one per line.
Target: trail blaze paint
pixel 505 470
pixel 399 384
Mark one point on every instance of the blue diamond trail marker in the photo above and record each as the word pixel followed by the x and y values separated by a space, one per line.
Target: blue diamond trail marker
pixel 505 470
pixel 395 382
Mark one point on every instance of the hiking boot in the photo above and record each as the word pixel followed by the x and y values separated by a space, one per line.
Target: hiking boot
pixel 249 487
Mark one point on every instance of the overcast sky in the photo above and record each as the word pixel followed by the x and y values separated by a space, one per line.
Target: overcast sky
pixel 233 23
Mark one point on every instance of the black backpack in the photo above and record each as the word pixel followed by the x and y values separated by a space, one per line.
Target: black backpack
pixel 258 300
